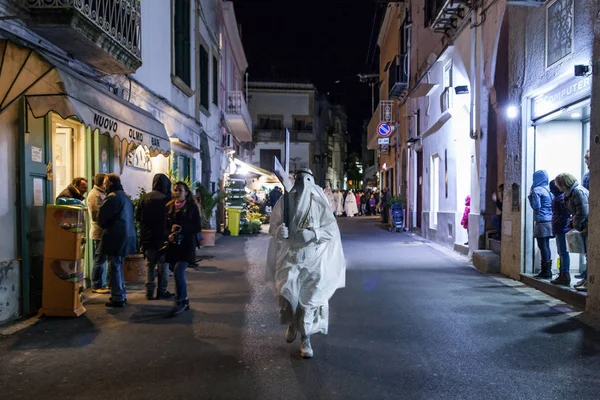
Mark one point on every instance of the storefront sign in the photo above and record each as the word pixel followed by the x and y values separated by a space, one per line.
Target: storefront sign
pixel 36 154
pixel 140 158
pixel 384 149
pixel 565 94
pixel 110 125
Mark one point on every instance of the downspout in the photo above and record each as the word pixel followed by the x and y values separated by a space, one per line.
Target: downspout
pixel 473 75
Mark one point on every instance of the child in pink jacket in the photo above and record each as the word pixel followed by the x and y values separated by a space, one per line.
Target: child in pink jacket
pixel 465 219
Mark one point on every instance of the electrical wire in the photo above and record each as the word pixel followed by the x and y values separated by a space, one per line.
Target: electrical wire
pixel 371 37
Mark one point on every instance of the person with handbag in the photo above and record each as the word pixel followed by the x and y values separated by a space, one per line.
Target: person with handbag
pixel 577 201
pixel 540 199
pixel 561 217
pixel 184 224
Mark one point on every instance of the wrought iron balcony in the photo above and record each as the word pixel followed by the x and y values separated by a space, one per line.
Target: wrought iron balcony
pixel 278 135
pixel 397 77
pixel 237 116
pixel 445 14
pixel 103 33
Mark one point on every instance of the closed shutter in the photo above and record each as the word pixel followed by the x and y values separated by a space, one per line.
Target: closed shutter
pixel 204 97
pixel 215 81
pixel 181 21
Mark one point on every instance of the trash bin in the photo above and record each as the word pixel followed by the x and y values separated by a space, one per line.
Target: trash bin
pixel 64 247
pixel 233 221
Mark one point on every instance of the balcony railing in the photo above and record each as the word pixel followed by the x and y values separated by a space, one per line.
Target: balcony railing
pixel 237 115
pixel 278 135
pixel 113 26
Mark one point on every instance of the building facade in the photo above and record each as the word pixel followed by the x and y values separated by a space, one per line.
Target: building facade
pixel 80 98
pixel 276 106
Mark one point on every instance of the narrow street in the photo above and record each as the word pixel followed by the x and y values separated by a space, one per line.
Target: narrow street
pixel 414 322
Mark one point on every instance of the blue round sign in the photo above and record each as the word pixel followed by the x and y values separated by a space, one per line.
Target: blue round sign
pixel 384 129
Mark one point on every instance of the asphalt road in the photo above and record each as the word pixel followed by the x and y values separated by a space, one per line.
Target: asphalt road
pixel 414 322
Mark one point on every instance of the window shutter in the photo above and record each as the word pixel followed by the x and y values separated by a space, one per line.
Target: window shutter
pixel 181 21
pixel 215 81
pixel 204 95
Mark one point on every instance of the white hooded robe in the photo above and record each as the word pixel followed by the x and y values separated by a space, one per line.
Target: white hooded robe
pixel 306 275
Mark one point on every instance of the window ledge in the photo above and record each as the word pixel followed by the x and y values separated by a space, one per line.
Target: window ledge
pixel 181 85
pixel 204 111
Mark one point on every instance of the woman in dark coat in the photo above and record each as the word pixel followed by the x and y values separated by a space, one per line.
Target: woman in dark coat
pixel 183 223
pixel 561 217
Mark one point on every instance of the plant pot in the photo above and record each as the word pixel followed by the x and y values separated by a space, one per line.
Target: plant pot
pixel 134 268
pixel 209 237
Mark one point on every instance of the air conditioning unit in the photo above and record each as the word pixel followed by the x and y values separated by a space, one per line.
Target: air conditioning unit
pixel 228 141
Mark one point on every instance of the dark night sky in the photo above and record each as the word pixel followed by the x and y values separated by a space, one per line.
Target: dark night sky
pixel 318 41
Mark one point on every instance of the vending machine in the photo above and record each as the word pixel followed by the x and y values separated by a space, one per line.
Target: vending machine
pixel 64 246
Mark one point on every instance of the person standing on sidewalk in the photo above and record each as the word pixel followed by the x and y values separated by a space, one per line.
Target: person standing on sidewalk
pixel 183 223
pixel 305 261
pixel 561 217
pixel 152 216
pixel 540 199
pixel 115 217
pixel 94 201
pixel 577 201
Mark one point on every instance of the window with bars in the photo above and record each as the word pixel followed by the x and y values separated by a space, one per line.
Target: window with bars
pixel 203 66
pixel 215 72
pixel 559 31
pixel 182 43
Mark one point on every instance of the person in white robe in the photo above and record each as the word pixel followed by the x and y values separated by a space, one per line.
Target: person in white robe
pixel 331 198
pixel 350 207
pixel 305 262
pixel 339 202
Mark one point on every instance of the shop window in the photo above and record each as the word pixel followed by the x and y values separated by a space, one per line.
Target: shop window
pixel 203 66
pixel 559 30
pixel 434 191
pixel 215 72
pixel 181 41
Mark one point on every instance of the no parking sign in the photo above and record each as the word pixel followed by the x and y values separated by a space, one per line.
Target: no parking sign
pixel 384 129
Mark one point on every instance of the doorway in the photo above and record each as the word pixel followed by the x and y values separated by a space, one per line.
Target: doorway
pixel 560 143
pixel 419 187
pixel 68 152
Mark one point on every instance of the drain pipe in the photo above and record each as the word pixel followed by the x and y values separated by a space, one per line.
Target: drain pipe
pixel 472 131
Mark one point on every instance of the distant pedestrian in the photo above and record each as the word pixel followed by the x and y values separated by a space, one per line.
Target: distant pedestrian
pixel 540 199
pixel 364 203
pixel 357 196
pixel 385 199
pixel 274 196
pixel 561 217
pixel 183 223
pixel 465 218
pixel 94 201
pixel 76 190
pixel 151 213
pixel 372 205
pixel 350 207
pixel 339 202
pixel 586 178
pixel 115 217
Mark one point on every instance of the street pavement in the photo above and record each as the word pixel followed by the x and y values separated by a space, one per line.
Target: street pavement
pixel 414 322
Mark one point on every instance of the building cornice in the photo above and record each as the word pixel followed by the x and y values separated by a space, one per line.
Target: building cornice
pixel 233 35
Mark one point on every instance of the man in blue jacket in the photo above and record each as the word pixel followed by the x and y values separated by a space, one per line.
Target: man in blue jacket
pixel 115 217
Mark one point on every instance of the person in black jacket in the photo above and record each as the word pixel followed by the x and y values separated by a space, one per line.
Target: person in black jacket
pixel 115 217
pixel 183 223
pixel 76 190
pixel 152 216
pixel 274 196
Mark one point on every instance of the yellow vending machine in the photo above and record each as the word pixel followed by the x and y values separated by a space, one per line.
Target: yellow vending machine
pixel 64 245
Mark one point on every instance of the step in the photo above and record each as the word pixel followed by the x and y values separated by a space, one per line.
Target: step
pixel 567 294
pixel 495 246
pixel 486 261
pixel 461 248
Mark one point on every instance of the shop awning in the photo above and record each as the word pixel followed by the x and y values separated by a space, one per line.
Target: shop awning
pixel 254 169
pixel 49 85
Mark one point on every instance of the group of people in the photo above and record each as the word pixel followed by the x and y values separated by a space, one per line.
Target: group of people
pixel 361 203
pixel 559 206
pixel 169 227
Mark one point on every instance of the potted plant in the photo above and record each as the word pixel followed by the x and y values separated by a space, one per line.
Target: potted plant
pixel 208 201
pixel 134 265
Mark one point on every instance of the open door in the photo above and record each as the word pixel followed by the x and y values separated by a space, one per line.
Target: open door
pixel 35 193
